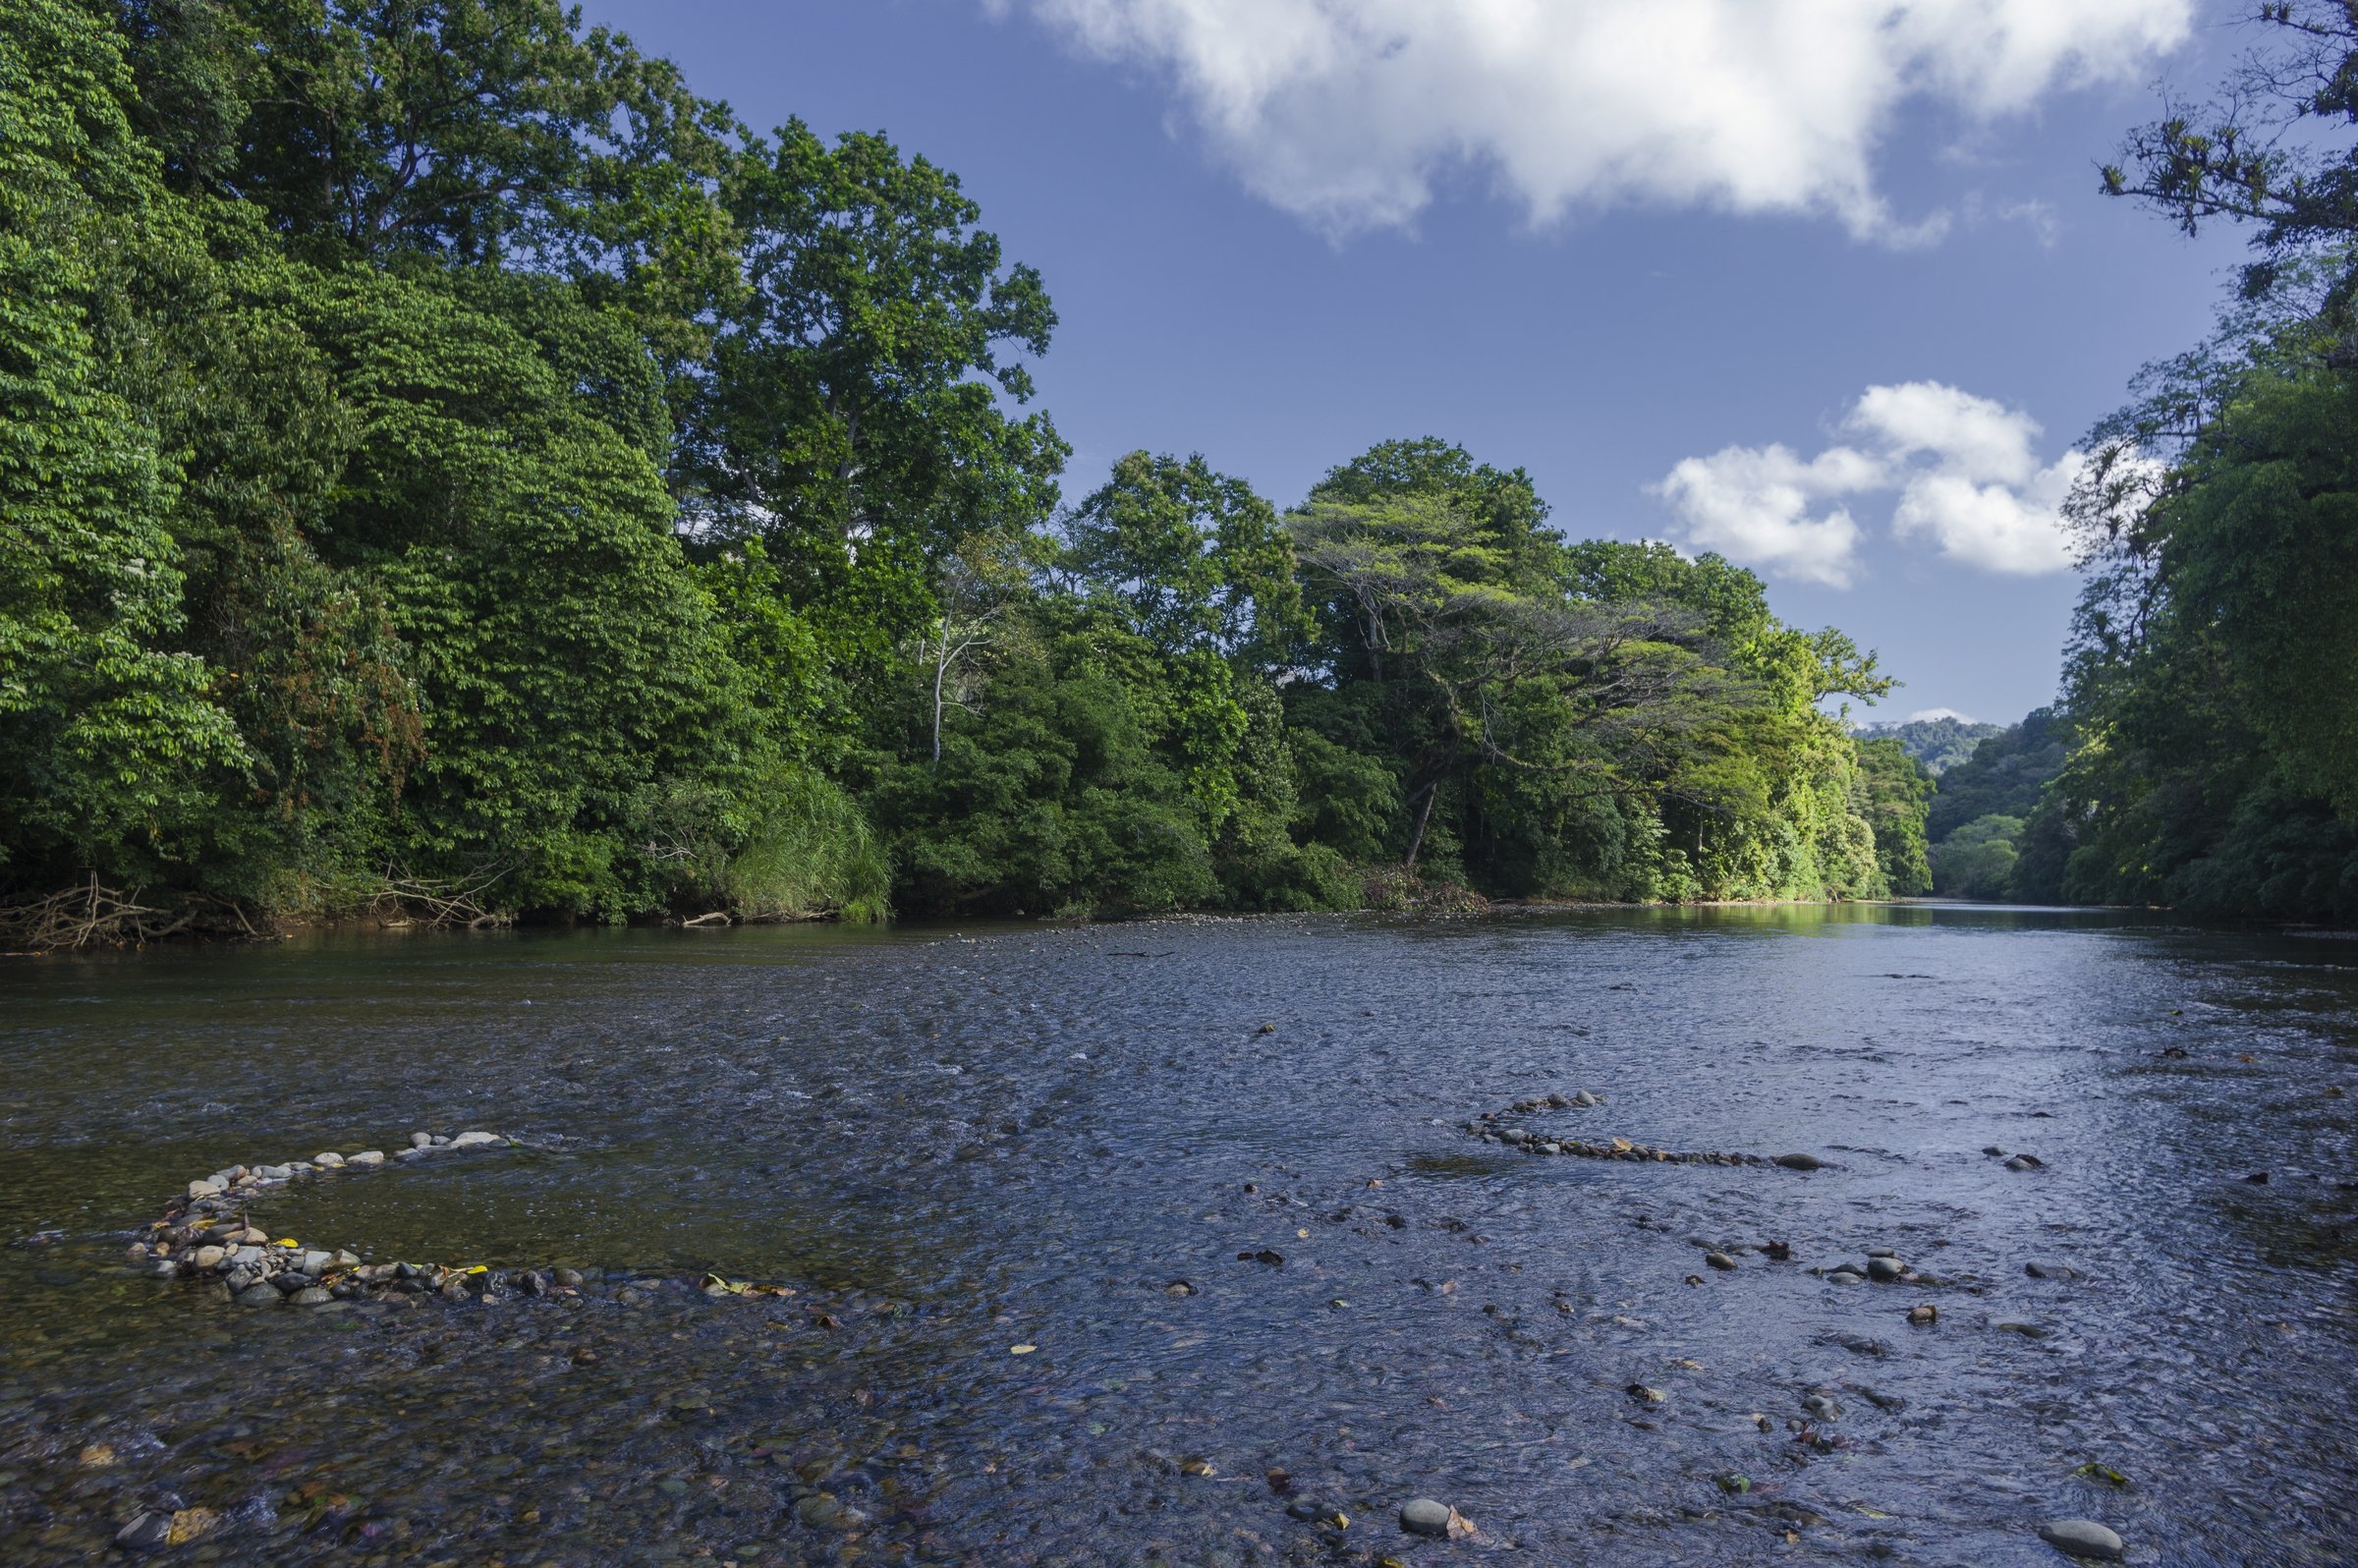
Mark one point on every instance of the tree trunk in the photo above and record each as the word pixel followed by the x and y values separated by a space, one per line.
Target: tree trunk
pixel 1416 836
pixel 941 668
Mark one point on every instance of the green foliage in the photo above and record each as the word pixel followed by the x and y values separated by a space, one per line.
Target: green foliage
pixel 1978 860
pixel 2005 776
pixel 110 739
pixel 2210 682
pixel 1897 790
pixel 1938 743
pixel 446 464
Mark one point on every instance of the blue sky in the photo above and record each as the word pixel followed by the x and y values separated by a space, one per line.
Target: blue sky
pixel 1821 283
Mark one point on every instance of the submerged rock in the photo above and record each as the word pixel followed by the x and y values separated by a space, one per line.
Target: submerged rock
pixel 1799 1161
pixel 1886 1270
pixel 2082 1538
pixel 1422 1515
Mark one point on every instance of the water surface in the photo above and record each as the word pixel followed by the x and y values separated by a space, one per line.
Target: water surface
pixel 954 1143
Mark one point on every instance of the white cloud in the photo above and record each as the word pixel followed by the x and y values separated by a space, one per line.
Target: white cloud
pixel 1973 437
pixel 1754 504
pixel 1345 111
pixel 1965 469
pixel 1923 713
pixel 2015 531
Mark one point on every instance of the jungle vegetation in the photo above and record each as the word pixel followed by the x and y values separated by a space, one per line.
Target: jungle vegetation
pixel 449 469
pixel 2206 750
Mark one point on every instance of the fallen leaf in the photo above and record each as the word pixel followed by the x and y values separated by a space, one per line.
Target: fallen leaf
pixel 1021 1350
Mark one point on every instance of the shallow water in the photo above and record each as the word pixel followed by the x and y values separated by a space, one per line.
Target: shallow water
pixel 951 1143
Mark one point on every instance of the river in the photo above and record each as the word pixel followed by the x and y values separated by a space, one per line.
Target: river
pixel 1216 1179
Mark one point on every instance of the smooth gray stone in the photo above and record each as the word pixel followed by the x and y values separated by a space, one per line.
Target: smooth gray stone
pixel 1885 1270
pixel 1422 1515
pixel 2082 1538
pixel 1798 1161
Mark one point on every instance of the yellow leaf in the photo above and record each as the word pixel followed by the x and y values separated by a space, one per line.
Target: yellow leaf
pixel 1021 1350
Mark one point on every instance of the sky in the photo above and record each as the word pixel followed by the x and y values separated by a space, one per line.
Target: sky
pixel 1823 285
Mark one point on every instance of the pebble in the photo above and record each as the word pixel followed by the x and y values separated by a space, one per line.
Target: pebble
pixel 328 1159
pixel 1422 1515
pixel 260 1295
pixel 569 1278
pixel 2082 1538
pixel 1845 1276
pixel 196 1190
pixel 1798 1161
pixel 151 1532
pixel 312 1295
pixel 474 1140
pixel 1923 1316
pixel 208 1258
pixel 368 1157
pixel 1885 1270
pixel 422 1139
pixel 1719 1260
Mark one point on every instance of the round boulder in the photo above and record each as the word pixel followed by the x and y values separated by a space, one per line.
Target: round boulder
pixel 1422 1515
pixel 2082 1538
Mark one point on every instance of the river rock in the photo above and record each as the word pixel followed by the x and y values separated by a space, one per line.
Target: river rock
pixel 196 1190
pixel 316 1263
pixel 1422 1515
pixel 1822 1407
pixel 474 1140
pixel 422 1139
pixel 151 1532
pixel 1846 1276
pixel 258 1295
pixel 2082 1538
pixel 569 1278
pixel 367 1156
pixel 208 1258
pixel 1719 1260
pixel 1885 1270
pixel 328 1159
pixel 1798 1161
pixel 312 1295
pixel 2051 1270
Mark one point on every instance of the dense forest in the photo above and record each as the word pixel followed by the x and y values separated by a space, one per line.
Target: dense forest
pixel 451 471
pixel 2205 753
pixel 1938 743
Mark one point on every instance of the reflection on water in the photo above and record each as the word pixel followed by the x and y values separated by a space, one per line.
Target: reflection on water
pixel 957 1141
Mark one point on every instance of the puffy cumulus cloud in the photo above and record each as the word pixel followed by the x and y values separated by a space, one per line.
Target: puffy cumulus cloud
pixel 1344 111
pixel 1994 526
pixel 1965 470
pixel 1765 507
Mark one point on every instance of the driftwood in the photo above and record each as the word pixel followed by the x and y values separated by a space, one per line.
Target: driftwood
pixel 93 914
pixel 442 901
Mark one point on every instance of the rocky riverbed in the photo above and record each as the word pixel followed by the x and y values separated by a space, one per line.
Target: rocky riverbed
pixel 1926 1236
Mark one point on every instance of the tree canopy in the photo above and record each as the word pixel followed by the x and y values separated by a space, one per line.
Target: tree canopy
pixel 450 470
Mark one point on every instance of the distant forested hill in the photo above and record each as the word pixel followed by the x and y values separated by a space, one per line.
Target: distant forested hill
pixel 1938 743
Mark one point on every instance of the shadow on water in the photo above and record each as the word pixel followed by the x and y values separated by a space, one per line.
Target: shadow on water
pixel 1089 1141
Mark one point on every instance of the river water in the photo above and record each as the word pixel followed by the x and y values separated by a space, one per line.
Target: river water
pixel 952 1144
